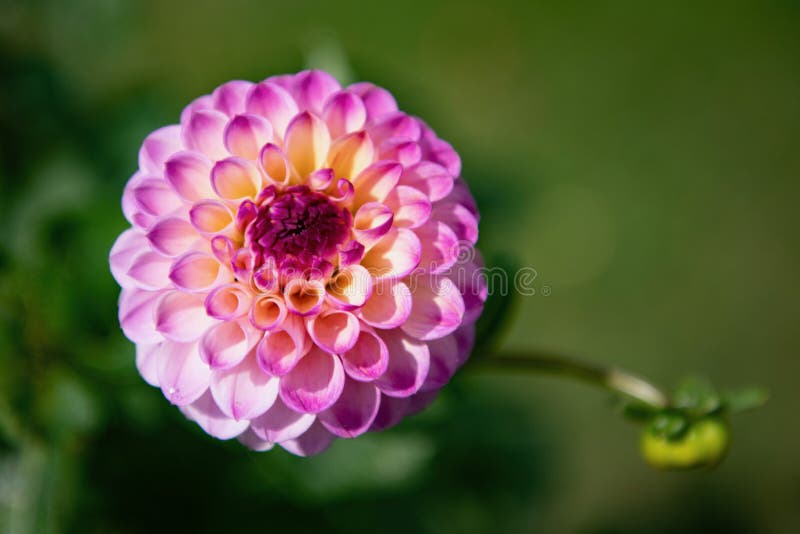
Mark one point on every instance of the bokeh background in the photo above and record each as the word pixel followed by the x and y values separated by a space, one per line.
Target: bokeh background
pixel 643 157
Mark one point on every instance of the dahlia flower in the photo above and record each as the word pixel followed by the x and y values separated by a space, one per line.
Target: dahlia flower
pixel 300 264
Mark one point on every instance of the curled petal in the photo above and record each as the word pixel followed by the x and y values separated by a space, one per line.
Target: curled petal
pixel 395 255
pixel 344 113
pixel 227 302
pixel 430 178
pixel 304 297
pixel 389 305
pixel 223 249
pixel 172 236
pixel 312 88
pixel 409 362
pixel 281 348
pixel 226 344
pixel 279 423
pixel 246 134
pixel 265 278
pixel 321 179
pixel 350 287
pixel 313 441
pixel 230 97
pixel 242 264
pixel 350 253
pixel 136 315
pixel 198 271
pixel 150 270
pixel 158 147
pixel 438 309
pixel 205 412
pixel 182 316
pixel 268 312
pixel 189 174
pixel 371 222
pixel 203 132
pixel 182 375
pixel 351 154
pixel 275 164
pixel 334 331
pixel 440 247
pixel 411 207
pixel 155 197
pixel 377 100
pixel 235 179
pixel 147 361
pixel 307 143
pixel 369 357
pixel 273 103
pixel 210 217
pixel 244 391
pixel 343 192
pixel 376 182
pixel 354 412
pixel 314 384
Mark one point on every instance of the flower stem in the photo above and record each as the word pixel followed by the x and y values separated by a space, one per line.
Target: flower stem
pixel 611 378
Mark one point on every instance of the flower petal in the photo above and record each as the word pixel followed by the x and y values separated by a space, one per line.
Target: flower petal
pixel 389 305
pixel 268 312
pixel 369 357
pixel 147 361
pixel 136 309
pixel 182 375
pixel 235 178
pixel 440 247
pixel 198 271
pixel 279 423
pixel 182 316
pixel 351 154
pixel 313 441
pixel 459 218
pixel 210 217
pixel 281 349
pixel 244 391
pixel 249 439
pixel 401 149
pixel 246 134
pixel 228 301
pixel 150 270
pixel 307 143
pixel 430 178
pixel 155 197
pixel 226 344
pixel 229 98
pixel 376 182
pixel 205 412
pixel 314 384
pixel 172 236
pixel 275 164
pixel 377 100
pixel 189 174
pixel 390 412
pixel 395 255
pixel 354 412
pixel 411 207
pixel 350 287
pixel 158 147
pixel 334 331
pixel 126 248
pixel 273 103
pixel 304 297
pixel 203 132
pixel 371 222
pixel 396 124
pixel 344 112
pixel 438 308
pixel 312 88
pixel 409 361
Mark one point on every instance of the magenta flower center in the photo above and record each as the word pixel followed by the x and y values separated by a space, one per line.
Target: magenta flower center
pixel 299 228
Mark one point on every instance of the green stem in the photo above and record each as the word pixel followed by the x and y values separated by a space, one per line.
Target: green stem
pixel 611 378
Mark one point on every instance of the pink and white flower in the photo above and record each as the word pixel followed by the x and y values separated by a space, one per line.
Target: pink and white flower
pixel 300 264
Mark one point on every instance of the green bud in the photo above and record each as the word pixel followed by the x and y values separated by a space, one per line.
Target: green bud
pixel 702 443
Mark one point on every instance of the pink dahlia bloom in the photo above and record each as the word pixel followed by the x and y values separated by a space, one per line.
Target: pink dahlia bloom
pixel 300 264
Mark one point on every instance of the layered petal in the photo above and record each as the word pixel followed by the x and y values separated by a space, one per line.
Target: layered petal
pixel 244 391
pixel 314 384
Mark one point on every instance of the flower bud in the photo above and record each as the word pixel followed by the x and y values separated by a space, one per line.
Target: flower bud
pixel 701 443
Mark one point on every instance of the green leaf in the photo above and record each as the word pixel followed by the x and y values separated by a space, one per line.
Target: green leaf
pixel 696 396
pixel 745 399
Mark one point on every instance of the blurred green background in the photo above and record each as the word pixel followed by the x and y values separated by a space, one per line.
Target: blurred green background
pixel 643 157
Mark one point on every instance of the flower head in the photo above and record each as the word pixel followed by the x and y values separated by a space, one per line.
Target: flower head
pixel 300 264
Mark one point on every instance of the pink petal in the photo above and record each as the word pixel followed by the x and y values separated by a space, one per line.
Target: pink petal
pixel 430 178
pixel 344 113
pixel 205 412
pixel 445 359
pixel 438 308
pixel 409 361
pixel 459 218
pixel 390 412
pixel 268 312
pixel 182 316
pixel 172 236
pixel 273 103
pixel 377 100
pixel 235 178
pixel 351 154
pixel 158 147
pixel 401 149
pixel 182 375
pixel 312 88
pixel 230 97
pixel 313 441
pixel 369 357
pixel 281 349
pixel 440 247
pixel 136 308
pixel 249 439
pixel 395 125
pixel 228 301
pixel 411 207
pixel 126 248
pixel 395 255
pixel 226 344
pixel 189 174
pixel 350 287
pixel 279 423
pixel 201 102
pixel 198 271
pixel 307 143
pixel 389 305
pixel 150 270
pixel 371 222
pixel 376 182
pixel 203 132
pixel 354 412
pixel 246 134
pixel 334 331
pixel 155 197
pixel 147 361
pixel 314 384
pixel 244 391
pixel 470 277
pixel 275 164
pixel 210 217
pixel 304 297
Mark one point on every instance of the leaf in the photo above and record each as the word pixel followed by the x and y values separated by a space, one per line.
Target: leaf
pixel 745 399
pixel 696 396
